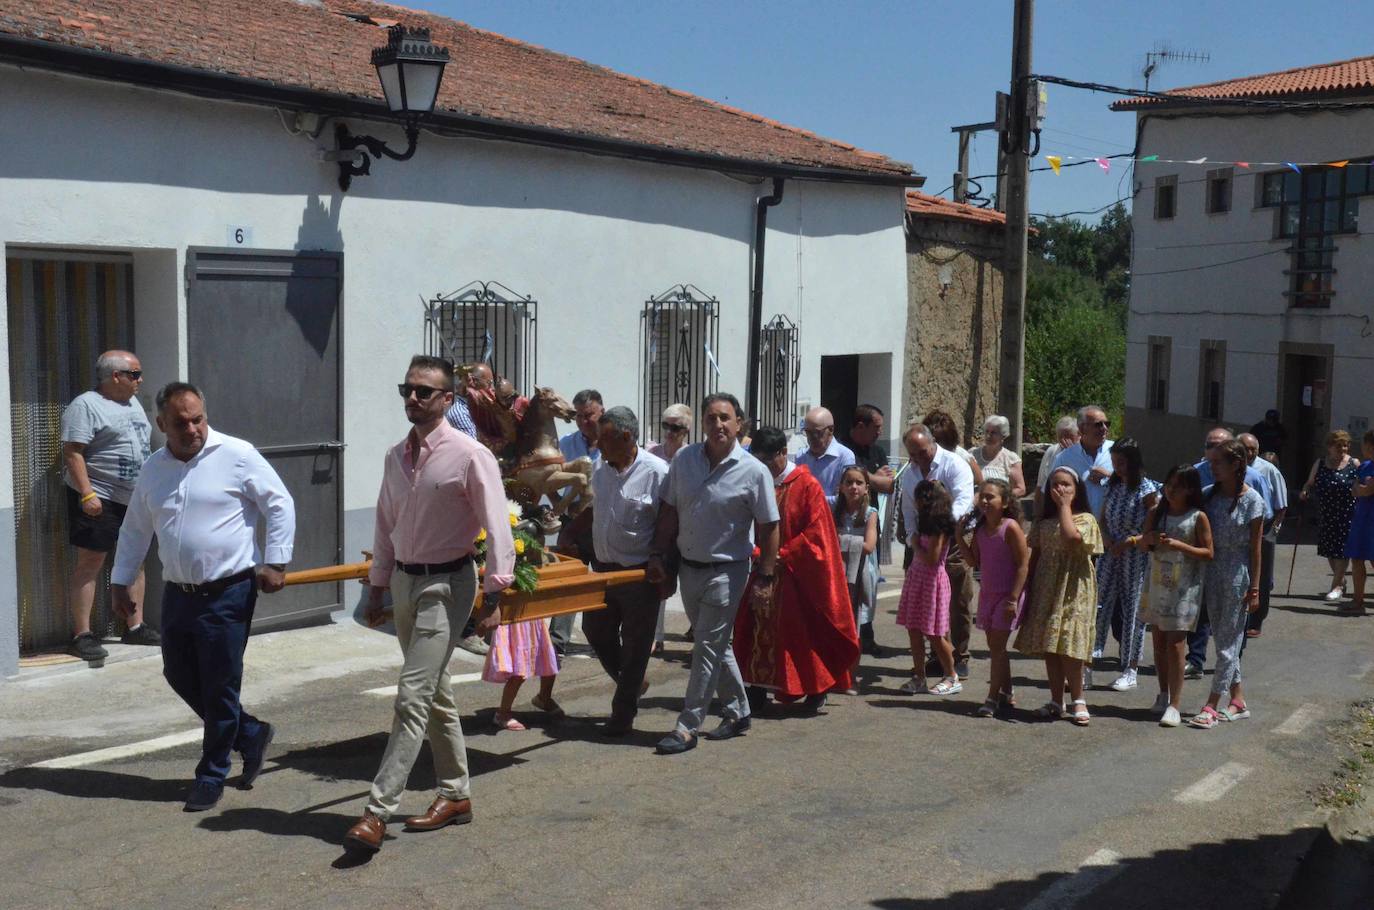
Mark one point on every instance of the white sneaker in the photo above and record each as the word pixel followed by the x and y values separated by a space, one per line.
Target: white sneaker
pixel 1335 594
pixel 1097 652
pixel 1161 704
pixel 474 644
pixel 1170 718
pixel 1124 682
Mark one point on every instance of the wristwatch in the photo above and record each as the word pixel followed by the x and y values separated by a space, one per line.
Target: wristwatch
pixel 762 577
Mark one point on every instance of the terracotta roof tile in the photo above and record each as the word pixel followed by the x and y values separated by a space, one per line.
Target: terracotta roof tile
pixel 324 45
pixel 924 205
pixel 1339 78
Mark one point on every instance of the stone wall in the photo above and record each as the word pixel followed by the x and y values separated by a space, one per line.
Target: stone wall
pixel 954 320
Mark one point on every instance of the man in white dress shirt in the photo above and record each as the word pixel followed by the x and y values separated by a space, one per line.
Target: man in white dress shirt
pixel 1091 458
pixel 203 495
pixel 626 490
pixel 929 460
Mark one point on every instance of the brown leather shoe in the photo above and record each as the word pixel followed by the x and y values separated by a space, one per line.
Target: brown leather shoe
pixel 441 812
pixel 367 834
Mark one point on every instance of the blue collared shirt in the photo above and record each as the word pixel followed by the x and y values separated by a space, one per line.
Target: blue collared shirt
pixel 828 466
pixel 1081 463
pixel 574 446
pixel 1252 477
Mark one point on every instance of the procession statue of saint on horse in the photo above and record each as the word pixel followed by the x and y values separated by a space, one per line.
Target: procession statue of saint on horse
pixel 522 435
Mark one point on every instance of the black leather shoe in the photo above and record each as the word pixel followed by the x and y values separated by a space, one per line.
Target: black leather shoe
pixel 204 795
pixel 617 727
pixel 675 744
pixel 730 728
pixel 255 755
pixel 933 668
pixel 814 703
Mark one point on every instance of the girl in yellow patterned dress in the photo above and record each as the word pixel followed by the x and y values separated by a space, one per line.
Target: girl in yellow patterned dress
pixel 1061 615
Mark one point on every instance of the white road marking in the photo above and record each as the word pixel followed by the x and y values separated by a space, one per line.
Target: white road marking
pixel 892 592
pixel 114 753
pixel 1298 720
pixel 1095 872
pixel 1215 785
pixel 389 691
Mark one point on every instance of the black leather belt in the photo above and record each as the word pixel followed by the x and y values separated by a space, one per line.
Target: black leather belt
pixel 599 566
pixel 433 568
pixel 709 565
pixel 213 588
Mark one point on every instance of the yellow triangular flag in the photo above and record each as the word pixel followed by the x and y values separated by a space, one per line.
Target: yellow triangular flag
pixel 1338 163
pixel 1054 161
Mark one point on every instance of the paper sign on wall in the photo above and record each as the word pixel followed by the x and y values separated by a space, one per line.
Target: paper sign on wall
pixel 1307 396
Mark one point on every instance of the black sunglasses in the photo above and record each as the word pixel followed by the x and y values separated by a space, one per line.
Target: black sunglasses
pixel 132 374
pixel 422 392
pixel 673 427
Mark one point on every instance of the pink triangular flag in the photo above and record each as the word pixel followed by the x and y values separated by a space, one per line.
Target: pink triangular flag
pixel 1104 164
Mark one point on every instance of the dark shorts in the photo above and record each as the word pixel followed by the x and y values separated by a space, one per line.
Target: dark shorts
pixel 100 533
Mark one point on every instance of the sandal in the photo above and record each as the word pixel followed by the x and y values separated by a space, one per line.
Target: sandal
pixel 1234 711
pixel 950 685
pixel 1205 719
pixel 548 707
pixel 916 686
pixel 1050 710
pixel 508 723
pixel 1081 717
pixel 1008 698
pixel 986 709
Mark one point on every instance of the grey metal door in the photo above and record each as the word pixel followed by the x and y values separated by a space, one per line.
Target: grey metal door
pixel 263 334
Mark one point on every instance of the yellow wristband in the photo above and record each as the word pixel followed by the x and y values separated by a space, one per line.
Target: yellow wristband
pixel 89 496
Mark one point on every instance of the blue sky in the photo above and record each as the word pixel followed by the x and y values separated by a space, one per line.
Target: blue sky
pixel 893 77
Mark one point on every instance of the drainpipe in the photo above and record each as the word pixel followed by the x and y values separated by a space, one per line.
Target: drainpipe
pixel 764 203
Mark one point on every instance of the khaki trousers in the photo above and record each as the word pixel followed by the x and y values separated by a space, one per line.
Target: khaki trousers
pixel 429 611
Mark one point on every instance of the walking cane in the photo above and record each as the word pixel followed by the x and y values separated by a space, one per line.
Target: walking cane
pixel 1297 536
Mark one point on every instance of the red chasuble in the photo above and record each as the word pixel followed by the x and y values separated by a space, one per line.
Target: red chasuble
pixel 805 641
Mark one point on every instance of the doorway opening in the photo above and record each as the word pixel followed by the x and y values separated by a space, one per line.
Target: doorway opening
pixel 1304 407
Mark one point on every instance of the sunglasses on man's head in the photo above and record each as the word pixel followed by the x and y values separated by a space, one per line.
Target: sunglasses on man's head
pixel 422 392
pixel 673 427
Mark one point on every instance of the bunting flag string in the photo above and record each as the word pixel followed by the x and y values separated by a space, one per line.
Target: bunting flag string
pixel 1058 162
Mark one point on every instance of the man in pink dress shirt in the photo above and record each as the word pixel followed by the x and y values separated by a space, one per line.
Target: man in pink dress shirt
pixel 440 488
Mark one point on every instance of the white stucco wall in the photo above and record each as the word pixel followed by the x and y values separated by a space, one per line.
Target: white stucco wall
pixel 92 165
pixel 1242 302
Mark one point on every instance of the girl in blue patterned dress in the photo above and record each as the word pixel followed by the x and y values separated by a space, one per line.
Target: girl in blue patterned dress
pixel 1230 590
pixel 1121 570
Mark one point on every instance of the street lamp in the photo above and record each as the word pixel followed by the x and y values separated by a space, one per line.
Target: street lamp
pixel 410 68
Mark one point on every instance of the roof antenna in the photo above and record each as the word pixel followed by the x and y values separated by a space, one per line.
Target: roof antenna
pixel 1163 52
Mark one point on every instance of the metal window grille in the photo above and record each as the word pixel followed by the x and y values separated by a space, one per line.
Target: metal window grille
pixel 62 315
pixel 779 369
pixel 680 338
pixel 487 322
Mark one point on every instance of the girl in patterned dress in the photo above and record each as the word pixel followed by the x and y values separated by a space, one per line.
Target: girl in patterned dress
pixel 1121 570
pixel 1231 588
pixel 998 548
pixel 518 651
pixel 924 609
pixel 1059 621
pixel 1179 536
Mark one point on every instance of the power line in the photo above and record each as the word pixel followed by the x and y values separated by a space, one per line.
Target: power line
pixel 1210 265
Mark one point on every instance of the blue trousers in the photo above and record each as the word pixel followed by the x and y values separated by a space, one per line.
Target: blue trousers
pixel 203 639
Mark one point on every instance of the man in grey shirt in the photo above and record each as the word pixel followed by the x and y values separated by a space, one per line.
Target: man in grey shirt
pixel 715 496
pixel 105 440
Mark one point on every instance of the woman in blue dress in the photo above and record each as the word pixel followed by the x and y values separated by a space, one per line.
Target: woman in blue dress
pixel 1121 570
pixel 1359 546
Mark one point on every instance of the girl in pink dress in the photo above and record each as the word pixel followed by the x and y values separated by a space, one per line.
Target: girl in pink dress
pixel 924 609
pixel 998 547
pixel 518 651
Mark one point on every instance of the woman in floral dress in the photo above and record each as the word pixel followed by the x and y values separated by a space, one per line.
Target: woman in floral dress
pixel 1330 481
pixel 1121 570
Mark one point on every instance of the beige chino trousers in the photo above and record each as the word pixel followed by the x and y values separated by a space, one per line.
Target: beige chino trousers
pixel 430 612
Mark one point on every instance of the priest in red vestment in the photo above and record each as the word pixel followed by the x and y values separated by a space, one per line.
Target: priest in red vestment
pixel 804 642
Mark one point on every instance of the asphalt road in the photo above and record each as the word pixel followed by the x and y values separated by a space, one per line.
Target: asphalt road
pixel 885 800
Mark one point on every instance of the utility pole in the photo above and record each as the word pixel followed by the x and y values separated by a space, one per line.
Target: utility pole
pixel 966 133
pixel 1015 139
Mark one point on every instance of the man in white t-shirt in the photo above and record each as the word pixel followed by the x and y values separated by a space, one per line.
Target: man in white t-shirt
pixel 105 440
